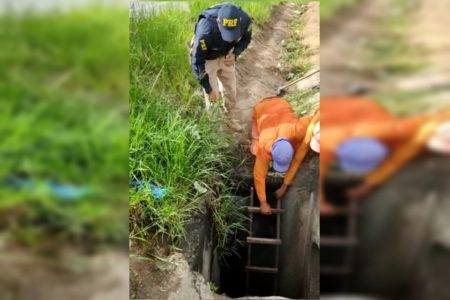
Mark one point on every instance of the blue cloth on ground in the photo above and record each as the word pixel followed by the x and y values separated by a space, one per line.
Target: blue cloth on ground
pixel 59 190
pixel 156 191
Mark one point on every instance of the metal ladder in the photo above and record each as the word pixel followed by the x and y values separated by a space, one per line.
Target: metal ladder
pixel 349 242
pixel 262 241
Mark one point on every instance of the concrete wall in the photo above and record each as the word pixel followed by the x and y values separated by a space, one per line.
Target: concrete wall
pixel 300 233
pixel 402 223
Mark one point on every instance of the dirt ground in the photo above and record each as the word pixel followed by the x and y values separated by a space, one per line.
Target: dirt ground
pixel 430 32
pixel 158 275
pixel 68 274
pixel 149 276
pixel 258 73
pixel 310 36
pixel 343 43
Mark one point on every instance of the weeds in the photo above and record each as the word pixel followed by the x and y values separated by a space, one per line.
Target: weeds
pixel 295 63
pixel 304 102
pixel 405 103
pixel 213 287
pixel 176 145
pixel 64 120
pixel 329 8
pixel 294 58
pixel 390 53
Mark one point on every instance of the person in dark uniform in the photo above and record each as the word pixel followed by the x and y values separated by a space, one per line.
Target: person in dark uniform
pixel 222 33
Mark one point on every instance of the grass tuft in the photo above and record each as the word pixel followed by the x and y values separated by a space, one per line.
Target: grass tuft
pixel 295 55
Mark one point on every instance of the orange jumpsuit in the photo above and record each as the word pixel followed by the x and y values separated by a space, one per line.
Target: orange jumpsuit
pixel 343 118
pixel 273 118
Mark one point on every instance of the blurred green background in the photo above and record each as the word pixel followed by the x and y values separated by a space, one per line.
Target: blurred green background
pixel 64 129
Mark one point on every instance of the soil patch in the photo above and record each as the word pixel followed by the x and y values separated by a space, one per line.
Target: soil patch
pixel 68 274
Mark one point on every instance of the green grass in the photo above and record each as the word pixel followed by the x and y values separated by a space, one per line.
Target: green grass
pixel 68 53
pixel 390 53
pixel 406 103
pixel 304 102
pixel 295 63
pixel 175 145
pixel 167 58
pixel 173 141
pixel 329 8
pixel 295 56
pixel 63 89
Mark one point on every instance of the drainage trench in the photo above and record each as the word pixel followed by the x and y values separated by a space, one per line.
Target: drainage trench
pixel 394 254
pixel 233 275
pixel 337 251
pixel 298 254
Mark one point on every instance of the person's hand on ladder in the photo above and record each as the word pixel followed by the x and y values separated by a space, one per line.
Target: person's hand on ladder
pixel 281 191
pixel 359 191
pixel 265 208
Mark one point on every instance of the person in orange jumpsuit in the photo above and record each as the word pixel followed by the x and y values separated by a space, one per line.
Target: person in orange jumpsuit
pixel 349 118
pixel 278 135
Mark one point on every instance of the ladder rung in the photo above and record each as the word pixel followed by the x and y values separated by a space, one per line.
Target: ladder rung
pixel 337 241
pixel 261 269
pixel 255 209
pixel 335 270
pixel 256 240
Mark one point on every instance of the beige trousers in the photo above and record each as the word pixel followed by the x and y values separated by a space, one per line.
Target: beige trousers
pixel 223 81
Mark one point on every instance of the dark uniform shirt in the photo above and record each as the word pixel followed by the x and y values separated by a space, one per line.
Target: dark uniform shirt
pixel 208 43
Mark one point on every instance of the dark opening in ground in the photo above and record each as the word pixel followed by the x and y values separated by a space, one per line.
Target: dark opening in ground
pixel 233 275
pixel 335 227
